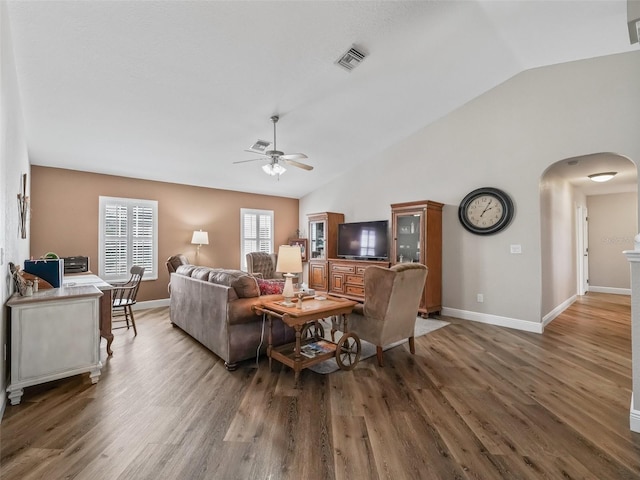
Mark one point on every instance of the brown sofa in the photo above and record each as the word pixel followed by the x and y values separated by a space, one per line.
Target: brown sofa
pixel 214 306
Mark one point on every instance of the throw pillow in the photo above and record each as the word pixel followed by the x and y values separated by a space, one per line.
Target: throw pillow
pixel 270 287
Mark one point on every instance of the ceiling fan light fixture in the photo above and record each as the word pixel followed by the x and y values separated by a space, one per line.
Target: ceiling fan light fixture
pixel 273 169
pixel 603 176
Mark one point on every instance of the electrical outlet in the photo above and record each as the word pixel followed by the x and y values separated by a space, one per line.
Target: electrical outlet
pixel 480 298
pixel 516 248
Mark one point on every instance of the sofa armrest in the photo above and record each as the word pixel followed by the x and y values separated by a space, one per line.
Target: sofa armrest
pixel 241 310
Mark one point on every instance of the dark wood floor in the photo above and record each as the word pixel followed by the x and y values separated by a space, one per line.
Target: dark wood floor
pixel 476 401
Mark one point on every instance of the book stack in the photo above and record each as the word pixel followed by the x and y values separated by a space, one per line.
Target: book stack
pixel 320 347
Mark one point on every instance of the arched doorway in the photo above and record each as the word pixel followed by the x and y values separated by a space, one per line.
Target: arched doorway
pixel 565 194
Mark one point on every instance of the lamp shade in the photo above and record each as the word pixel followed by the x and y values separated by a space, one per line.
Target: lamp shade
pixel 200 238
pixel 289 259
pixel 273 169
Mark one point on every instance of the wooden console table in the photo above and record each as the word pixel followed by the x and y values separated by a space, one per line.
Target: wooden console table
pixel 300 318
pixel 346 277
pixel 54 334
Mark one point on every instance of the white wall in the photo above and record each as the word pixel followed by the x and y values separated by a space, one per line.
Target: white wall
pixel 13 163
pixel 505 138
pixel 613 222
pixel 558 205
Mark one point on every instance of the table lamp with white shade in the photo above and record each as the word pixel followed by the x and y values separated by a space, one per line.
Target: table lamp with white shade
pixel 289 263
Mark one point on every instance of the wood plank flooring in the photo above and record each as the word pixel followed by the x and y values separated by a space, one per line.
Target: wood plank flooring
pixel 475 402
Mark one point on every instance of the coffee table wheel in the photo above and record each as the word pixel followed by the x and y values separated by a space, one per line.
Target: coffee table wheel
pixel 312 330
pixel 348 351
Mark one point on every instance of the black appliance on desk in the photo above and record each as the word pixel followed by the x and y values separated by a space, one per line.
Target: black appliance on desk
pixel 76 265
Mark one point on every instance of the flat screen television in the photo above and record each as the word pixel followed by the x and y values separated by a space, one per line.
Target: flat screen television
pixel 364 240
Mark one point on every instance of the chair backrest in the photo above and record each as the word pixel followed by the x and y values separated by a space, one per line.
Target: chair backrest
pixel 262 263
pixel 127 292
pixel 136 277
pixel 174 261
pixel 394 294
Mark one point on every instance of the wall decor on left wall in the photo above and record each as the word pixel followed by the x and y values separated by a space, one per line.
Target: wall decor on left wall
pixel 23 207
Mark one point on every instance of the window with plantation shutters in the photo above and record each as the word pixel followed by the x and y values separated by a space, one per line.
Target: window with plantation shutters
pixel 128 236
pixel 256 233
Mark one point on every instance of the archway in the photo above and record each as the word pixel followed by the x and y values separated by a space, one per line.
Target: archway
pixel 565 194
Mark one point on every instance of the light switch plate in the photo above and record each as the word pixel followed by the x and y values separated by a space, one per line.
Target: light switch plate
pixel 516 248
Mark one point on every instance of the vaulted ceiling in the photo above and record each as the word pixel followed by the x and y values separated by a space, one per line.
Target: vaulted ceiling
pixel 176 91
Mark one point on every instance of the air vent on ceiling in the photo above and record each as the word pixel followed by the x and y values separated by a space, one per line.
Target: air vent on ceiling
pixel 260 146
pixel 351 59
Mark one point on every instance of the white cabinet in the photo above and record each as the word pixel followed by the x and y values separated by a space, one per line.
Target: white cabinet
pixel 54 334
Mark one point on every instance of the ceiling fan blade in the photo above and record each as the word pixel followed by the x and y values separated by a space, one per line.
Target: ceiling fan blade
pixel 293 156
pixel 253 151
pixel 297 164
pixel 252 160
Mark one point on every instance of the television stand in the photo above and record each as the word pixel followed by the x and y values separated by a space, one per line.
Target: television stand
pixel 346 277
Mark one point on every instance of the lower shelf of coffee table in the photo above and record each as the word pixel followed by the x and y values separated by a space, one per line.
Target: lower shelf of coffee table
pixel 286 354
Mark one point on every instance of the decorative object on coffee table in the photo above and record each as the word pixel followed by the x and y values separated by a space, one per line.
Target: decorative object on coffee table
pixel 289 263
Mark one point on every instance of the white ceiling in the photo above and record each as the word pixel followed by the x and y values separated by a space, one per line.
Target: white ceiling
pixel 577 170
pixel 176 91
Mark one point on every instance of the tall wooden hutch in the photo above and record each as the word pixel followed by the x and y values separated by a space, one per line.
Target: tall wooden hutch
pixel 323 245
pixel 416 236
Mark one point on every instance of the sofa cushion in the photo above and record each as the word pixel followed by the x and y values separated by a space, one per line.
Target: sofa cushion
pixel 244 284
pixel 185 270
pixel 270 287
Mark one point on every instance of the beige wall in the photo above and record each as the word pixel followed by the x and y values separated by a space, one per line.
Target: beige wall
pixel 612 226
pixel 64 218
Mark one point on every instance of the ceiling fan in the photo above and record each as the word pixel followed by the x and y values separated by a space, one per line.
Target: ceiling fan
pixel 274 167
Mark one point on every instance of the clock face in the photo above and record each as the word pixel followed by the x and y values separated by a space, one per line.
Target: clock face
pixel 485 211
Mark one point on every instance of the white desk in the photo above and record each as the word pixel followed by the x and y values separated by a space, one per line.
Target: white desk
pixel 54 334
pixel 77 279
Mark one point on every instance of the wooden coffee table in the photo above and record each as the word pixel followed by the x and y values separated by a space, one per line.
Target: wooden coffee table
pixel 310 347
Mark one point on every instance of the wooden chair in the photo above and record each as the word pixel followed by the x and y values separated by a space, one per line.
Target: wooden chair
pixel 124 297
pixel 391 301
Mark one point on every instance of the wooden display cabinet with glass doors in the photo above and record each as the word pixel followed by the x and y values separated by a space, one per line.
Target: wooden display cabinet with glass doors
pixel 416 236
pixel 323 245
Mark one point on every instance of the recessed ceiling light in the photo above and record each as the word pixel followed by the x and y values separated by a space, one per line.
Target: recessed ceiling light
pixel 602 177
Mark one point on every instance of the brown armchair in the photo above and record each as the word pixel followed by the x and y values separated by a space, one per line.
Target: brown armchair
pixel 263 265
pixel 174 261
pixel 391 300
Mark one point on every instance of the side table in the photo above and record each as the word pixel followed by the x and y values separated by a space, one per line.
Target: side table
pixel 303 318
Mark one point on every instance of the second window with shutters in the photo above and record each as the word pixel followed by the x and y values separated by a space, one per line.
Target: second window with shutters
pixel 256 233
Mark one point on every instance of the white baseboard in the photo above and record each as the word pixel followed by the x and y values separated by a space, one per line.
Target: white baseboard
pixel 615 291
pixel 634 418
pixel 163 302
pixel 558 310
pixel 518 324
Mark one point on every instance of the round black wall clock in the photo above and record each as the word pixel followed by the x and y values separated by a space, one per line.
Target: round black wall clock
pixel 485 211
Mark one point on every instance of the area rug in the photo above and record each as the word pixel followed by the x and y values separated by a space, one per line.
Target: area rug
pixel 423 327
